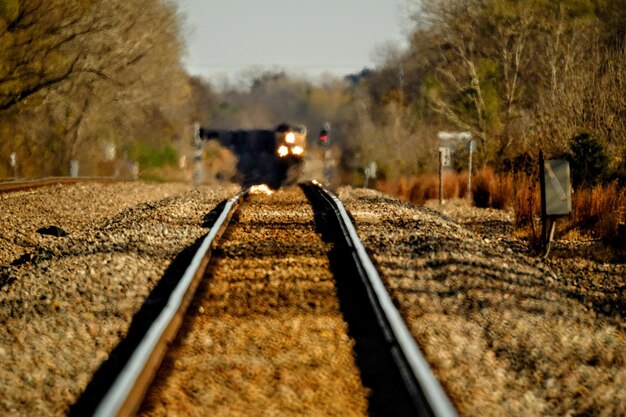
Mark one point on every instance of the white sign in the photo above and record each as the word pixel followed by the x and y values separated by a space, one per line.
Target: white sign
pixel 445 156
pixel 454 135
pixel 370 170
pixel 109 150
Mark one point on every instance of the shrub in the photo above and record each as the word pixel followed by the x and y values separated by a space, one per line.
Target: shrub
pixel 416 195
pixel 423 189
pixel 527 200
pixel 431 187
pixel 403 190
pixel 599 210
pixel 462 184
pixel 589 162
pixel 503 192
pixel 482 186
pixel 153 157
pixel 450 185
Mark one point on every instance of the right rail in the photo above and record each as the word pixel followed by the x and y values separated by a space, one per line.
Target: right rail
pixel 425 395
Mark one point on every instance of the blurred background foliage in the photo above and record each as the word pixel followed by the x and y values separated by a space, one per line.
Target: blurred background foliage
pixel 78 78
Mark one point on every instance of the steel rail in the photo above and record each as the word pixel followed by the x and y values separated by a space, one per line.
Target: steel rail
pixel 415 371
pixel 124 396
pixel 25 185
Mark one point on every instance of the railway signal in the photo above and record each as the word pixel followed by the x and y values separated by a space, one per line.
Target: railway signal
pixel 323 135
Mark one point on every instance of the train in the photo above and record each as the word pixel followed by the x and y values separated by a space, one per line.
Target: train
pixel 290 142
pixel 264 156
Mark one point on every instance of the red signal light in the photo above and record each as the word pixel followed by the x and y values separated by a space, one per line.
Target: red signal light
pixel 324 135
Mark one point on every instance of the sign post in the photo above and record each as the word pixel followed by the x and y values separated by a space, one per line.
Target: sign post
pixel 470 147
pixel 444 161
pixel 370 172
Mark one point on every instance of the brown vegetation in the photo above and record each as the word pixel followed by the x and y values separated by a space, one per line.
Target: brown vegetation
pixel 518 76
pixel 597 211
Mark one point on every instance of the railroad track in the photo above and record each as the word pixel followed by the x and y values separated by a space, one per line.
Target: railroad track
pixel 25 185
pixel 261 316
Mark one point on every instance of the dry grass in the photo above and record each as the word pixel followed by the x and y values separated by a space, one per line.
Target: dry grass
pixel 599 210
pixel 503 192
pixel 404 188
pixel 596 212
pixel 482 186
pixel 527 200
pixel 424 188
pixel 462 181
pixel 450 185
pixel 492 190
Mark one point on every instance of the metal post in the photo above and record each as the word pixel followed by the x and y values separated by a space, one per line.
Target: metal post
pixel 469 170
pixel 544 215
pixel 550 236
pixel 13 159
pixel 440 176
pixel 328 161
pixel 74 168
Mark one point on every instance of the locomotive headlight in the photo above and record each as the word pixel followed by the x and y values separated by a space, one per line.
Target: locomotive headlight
pixel 297 150
pixel 290 138
pixel 283 151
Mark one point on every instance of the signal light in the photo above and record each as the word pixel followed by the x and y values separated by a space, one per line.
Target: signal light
pixel 323 135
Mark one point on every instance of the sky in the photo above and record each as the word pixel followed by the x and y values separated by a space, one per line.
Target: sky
pixel 227 38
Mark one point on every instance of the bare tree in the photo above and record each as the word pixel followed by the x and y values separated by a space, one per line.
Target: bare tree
pixel 92 64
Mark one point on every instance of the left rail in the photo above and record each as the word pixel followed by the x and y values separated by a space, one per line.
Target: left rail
pixel 127 390
pixel 13 186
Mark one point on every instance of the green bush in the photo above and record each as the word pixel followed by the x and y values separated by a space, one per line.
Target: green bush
pixel 588 160
pixel 153 157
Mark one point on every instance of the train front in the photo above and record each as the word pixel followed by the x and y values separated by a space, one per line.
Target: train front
pixel 290 142
pixel 290 151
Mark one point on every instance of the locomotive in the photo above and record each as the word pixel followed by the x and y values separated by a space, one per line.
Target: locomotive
pixel 290 141
pixel 274 157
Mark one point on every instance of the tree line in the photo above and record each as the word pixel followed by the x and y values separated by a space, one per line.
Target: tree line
pixel 520 76
pixel 86 80
pixel 79 79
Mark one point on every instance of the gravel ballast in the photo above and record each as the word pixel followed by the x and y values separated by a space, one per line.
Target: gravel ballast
pixel 505 334
pixel 265 335
pixel 65 302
